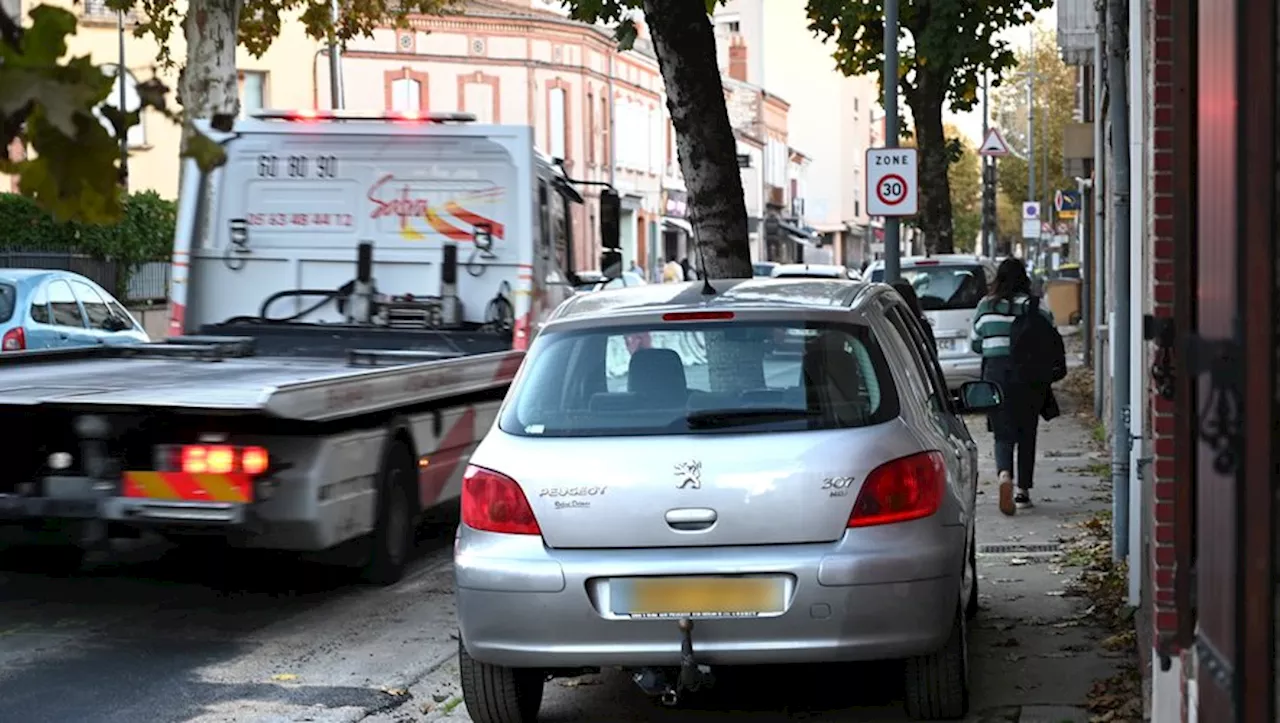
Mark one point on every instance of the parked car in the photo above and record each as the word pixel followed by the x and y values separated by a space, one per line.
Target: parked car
pixel 783 510
pixel 48 309
pixel 949 287
pixel 762 268
pixel 595 281
pixel 814 271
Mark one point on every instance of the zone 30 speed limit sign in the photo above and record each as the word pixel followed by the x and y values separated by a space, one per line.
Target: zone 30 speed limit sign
pixel 892 188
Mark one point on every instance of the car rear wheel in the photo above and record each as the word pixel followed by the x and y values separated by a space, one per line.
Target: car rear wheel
pixel 937 685
pixel 494 694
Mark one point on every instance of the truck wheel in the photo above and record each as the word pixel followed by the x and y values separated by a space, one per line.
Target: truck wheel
pixel 393 533
pixel 971 604
pixel 937 685
pixel 494 694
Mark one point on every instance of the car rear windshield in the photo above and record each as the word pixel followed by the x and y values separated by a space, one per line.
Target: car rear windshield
pixel 720 377
pixel 8 298
pixel 941 287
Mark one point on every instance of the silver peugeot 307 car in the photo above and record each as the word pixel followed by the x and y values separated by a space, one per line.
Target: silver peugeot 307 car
pixel 665 491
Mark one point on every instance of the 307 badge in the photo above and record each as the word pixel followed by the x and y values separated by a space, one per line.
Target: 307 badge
pixel 838 486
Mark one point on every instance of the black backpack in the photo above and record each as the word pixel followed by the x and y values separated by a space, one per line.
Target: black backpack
pixel 1038 353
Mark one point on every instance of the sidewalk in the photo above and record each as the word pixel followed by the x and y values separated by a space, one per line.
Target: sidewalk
pixel 1036 647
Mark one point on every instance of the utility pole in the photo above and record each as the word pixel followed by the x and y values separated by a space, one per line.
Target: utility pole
pixel 892 228
pixel 121 75
pixel 988 176
pixel 336 101
pixel 1118 122
pixel 1031 145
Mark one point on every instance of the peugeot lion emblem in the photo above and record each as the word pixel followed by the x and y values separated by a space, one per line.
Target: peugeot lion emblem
pixel 690 474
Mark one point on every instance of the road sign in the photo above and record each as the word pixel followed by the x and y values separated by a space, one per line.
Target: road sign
pixel 993 145
pixel 892 178
pixel 1066 201
pixel 1061 227
pixel 1031 210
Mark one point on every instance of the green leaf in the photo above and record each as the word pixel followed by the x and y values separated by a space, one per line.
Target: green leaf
pixel 626 34
pixel 207 154
pixel 45 41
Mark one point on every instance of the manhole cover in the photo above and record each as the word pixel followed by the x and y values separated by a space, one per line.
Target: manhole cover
pixel 1018 548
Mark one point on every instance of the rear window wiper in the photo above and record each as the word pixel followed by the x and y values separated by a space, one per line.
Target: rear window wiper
pixel 712 418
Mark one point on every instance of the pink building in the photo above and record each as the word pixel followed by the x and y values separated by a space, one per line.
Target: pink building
pixel 512 61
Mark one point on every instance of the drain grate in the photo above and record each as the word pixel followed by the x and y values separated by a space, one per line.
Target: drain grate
pixel 1018 548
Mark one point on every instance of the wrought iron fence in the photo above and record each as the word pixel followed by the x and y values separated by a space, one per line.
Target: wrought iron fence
pixel 146 282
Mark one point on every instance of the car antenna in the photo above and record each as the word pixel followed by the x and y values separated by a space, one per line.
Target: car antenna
pixel 707 288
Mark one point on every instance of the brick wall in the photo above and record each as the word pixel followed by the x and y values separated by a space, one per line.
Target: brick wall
pixel 1160 419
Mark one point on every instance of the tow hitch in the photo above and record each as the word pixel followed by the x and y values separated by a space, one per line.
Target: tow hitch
pixel 690 678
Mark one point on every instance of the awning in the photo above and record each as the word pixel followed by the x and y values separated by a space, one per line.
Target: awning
pixel 678 224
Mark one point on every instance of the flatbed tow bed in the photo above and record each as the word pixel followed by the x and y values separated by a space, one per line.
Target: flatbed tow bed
pixel 355 436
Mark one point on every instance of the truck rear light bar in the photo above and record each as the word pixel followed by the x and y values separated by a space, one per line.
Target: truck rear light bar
pixel 212 459
pixel 306 115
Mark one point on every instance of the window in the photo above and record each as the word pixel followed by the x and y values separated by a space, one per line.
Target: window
pixel 253 92
pixel 40 307
pixel 478 98
pixel 925 357
pixel 556 120
pixel 645 380
pixel 406 95
pixel 95 308
pixel 606 150
pixel 122 313
pixel 593 136
pixel 8 299
pixel 943 287
pixel 62 303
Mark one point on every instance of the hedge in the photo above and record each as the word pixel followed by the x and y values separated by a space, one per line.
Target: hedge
pixel 144 233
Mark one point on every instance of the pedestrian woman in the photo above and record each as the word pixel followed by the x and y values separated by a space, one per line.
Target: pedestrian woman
pixel 1014 423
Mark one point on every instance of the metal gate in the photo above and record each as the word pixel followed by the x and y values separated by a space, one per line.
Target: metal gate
pixel 1227 400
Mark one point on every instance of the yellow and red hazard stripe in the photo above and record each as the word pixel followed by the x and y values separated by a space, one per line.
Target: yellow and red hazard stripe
pixel 189 487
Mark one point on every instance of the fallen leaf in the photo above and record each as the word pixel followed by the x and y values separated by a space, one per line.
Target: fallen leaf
pixel 284 677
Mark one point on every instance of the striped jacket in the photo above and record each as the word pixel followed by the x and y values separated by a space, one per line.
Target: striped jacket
pixel 992 320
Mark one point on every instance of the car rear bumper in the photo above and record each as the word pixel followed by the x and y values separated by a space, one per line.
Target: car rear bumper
pixel 522 605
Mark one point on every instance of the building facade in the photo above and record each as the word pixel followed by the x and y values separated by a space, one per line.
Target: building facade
pixel 769 45
pixel 1198 447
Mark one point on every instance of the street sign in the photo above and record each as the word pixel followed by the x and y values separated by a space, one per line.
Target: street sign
pixel 1061 227
pixel 993 145
pixel 1031 210
pixel 1066 201
pixel 1030 220
pixel 892 177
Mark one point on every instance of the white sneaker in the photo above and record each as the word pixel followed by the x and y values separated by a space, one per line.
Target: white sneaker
pixel 1022 500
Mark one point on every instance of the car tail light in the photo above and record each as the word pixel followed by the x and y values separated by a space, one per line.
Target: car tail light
pixel 213 459
pixel 15 339
pixel 698 316
pixel 904 489
pixel 927 262
pixel 493 502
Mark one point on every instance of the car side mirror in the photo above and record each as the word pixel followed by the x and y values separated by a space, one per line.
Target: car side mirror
pixel 975 397
pixel 115 323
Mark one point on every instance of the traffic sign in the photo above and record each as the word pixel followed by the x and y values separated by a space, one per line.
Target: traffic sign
pixel 1031 210
pixel 993 145
pixel 892 177
pixel 1066 201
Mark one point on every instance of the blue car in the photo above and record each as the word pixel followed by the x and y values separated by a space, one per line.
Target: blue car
pixel 49 309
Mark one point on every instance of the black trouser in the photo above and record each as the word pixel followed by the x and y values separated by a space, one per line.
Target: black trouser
pixel 1016 422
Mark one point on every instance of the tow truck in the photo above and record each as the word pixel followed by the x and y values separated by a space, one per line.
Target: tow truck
pixel 351 296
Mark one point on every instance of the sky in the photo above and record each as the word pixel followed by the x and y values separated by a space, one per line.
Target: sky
pixel 1019 38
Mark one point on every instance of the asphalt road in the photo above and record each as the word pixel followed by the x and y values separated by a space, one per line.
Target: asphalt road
pixel 149 635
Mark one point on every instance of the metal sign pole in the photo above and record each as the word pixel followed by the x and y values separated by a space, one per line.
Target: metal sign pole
pixel 892 227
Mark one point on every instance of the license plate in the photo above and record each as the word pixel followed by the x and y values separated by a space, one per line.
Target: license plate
pixel 698 597
pixel 946 344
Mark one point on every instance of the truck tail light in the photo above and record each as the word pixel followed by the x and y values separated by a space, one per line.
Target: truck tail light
pixel 213 459
pixel 15 339
pixel 905 489
pixel 493 502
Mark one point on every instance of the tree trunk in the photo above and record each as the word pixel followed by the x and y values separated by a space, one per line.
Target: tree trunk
pixel 926 101
pixel 209 87
pixel 686 49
